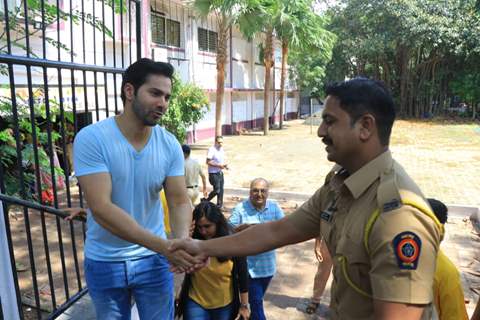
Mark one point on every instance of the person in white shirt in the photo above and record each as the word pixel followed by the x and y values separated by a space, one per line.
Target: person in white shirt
pixel 192 171
pixel 216 164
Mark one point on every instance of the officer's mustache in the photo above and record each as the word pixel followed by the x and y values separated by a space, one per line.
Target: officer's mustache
pixel 327 141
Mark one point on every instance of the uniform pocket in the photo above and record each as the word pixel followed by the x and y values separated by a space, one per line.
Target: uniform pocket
pixel 354 265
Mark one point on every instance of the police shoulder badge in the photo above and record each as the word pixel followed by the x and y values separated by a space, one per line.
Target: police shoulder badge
pixel 407 246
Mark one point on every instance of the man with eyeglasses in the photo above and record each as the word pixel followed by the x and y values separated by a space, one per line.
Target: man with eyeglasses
pixel 261 267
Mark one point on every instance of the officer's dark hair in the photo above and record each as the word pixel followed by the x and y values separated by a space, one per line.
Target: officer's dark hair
pixel 359 96
pixel 218 137
pixel 186 149
pixel 439 209
pixel 138 72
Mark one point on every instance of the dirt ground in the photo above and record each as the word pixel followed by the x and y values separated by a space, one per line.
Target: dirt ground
pixel 442 157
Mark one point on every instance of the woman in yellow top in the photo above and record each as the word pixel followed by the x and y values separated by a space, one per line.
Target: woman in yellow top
pixel 448 295
pixel 218 291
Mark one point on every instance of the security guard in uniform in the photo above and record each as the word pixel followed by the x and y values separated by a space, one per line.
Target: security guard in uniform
pixel 377 225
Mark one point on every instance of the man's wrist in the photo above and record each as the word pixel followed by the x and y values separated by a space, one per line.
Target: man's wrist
pixel 244 306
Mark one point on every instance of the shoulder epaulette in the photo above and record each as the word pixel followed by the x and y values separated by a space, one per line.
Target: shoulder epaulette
pixel 388 193
pixel 391 196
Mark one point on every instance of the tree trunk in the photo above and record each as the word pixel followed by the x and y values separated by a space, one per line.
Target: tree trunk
pixel 268 61
pixel 221 60
pixel 402 67
pixel 282 79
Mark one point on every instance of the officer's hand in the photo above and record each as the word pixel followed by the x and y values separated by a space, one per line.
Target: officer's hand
pixel 181 261
pixel 193 248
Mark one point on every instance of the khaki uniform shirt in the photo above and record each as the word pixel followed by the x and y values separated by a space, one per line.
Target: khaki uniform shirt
pixel 396 262
pixel 192 172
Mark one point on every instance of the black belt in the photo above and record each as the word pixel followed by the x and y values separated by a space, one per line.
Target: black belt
pixel 191 187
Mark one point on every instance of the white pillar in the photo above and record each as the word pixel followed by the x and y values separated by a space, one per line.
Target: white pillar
pixel 7 285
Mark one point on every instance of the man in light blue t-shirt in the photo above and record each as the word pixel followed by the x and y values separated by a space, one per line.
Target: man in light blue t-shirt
pixel 261 267
pixel 122 163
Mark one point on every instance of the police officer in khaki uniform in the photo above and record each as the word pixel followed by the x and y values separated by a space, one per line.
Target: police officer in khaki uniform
pixel 377 225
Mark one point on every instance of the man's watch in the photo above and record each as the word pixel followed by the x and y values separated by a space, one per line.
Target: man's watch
pixel 244 305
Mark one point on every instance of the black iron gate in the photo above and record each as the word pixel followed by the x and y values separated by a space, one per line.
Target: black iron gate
pixel 60 69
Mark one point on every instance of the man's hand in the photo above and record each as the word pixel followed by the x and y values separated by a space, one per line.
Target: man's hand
pixel 181 261
pixel 193 248
pixel 78 213
pixel 205 193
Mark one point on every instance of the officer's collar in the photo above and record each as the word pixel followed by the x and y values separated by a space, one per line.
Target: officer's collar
pixel 359 181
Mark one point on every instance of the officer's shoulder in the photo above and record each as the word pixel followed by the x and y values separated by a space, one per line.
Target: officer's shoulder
pixel 397 189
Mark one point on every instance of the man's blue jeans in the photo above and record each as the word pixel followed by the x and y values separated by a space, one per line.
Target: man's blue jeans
pixel 113 284
pixel 194 311
pixel 256 290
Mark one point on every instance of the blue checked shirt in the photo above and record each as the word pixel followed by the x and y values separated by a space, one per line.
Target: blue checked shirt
pixel 261 265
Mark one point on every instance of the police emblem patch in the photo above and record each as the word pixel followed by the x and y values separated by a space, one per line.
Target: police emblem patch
pixel 407 246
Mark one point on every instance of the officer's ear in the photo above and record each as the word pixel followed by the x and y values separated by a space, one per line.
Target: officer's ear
pixel 368 126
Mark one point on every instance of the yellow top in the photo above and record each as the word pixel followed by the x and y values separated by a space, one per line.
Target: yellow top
pixel 166 217
pixel 212 286
pixel 448 292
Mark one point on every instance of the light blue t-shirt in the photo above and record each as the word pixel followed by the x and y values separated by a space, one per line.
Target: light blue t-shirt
pixel 137 178
pixel 264 264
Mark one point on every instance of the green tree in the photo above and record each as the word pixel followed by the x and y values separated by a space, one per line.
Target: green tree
pixel 298 27
pixel 415 47
pixel 187 106
pixel 227 13
pixel 8 160
pixel 260 20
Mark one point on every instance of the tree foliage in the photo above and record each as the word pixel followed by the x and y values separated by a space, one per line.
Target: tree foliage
pixel 417 47
pixel 8 143
pixel 299 28
pixel 228 13
pixel 188 105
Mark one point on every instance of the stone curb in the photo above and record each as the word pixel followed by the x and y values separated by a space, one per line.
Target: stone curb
pixel 455 210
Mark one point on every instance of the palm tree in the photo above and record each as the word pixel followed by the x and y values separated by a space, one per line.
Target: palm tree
pixel 260 20
pixel 298 26
pixel 227 13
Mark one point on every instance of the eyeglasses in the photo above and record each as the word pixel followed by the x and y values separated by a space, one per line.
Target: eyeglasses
pixel 255 190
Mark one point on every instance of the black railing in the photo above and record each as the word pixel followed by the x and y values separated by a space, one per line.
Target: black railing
pixel 60 69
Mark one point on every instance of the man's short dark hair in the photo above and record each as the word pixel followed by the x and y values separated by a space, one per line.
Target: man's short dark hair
pixel 359 96
pixel 138 72
pixel 218 137
pixel 440 210
pixel 186 149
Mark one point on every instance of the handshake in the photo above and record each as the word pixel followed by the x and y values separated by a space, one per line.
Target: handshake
pixel 186 255
pixel 189 255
